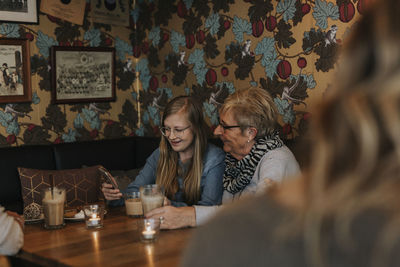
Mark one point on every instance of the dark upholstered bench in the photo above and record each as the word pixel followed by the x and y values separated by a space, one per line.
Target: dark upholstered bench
pixel 114 154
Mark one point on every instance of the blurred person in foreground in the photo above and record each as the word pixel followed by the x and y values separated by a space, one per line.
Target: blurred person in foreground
pixel 256 158
pixel 345 210
pixel 11 232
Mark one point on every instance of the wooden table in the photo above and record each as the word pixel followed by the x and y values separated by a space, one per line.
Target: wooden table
pixel 116 244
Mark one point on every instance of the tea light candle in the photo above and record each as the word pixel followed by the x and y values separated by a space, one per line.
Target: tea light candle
pixel 94 221
pixel 148 233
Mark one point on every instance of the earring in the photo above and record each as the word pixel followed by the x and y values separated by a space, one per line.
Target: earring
pixel 248 140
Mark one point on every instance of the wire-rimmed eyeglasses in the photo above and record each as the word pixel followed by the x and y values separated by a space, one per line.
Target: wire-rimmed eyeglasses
pixel 166 131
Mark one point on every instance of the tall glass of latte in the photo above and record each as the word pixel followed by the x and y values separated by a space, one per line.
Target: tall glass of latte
pixel 152 196
pixel 53 200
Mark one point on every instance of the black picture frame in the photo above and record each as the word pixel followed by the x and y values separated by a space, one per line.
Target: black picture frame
pixel 82 74
pixel 24 11
pixel 15 75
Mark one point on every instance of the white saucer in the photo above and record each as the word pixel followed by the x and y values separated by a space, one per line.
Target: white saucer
pixel 73 219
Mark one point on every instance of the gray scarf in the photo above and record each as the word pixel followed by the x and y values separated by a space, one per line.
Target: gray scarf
pixel 238 173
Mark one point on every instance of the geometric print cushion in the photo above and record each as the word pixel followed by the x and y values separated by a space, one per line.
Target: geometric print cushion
pixel 82 186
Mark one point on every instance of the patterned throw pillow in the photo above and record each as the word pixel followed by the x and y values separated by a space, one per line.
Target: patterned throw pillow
pixel 81 185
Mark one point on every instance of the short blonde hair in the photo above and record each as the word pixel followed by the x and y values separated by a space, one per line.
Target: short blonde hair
pixel 252 107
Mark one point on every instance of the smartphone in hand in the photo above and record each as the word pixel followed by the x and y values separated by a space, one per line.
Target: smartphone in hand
pixel 109 179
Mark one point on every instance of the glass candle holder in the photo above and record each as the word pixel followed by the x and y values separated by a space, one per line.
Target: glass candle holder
pixel 94 215
pixel 149 230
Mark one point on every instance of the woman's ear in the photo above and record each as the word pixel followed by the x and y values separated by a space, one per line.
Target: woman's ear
pixel 252 132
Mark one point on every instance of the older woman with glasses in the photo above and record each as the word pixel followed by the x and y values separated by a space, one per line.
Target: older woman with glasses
pixel 256 157
pixel 189 168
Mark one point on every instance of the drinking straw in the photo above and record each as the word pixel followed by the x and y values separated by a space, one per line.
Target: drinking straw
pixel 52 185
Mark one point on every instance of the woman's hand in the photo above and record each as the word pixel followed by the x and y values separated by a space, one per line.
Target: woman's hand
pixel 20 219
pixel 172 217
pixel 109 192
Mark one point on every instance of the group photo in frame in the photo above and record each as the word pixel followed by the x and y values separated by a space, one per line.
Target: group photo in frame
pixel 15 78
pixel 82 74
pixel 19 11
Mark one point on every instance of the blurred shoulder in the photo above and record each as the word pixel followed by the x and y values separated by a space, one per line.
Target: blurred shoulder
pixel 3 214
pixel 237 235
pixel 262 207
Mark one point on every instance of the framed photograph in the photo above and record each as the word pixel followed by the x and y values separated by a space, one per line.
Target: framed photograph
pixel 15 78
pixel 82 74
pixel 19 11
pixel 69 10
pixel 110 12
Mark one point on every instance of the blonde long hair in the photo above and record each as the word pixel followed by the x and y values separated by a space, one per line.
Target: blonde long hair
pixel 355 133
pixel 168 167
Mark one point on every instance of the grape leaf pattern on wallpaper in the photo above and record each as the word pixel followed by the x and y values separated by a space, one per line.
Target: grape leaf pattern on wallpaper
pixel 207 49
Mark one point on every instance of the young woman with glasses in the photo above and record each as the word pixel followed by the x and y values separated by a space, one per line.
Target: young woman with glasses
pixel 189 168
pixel 256 157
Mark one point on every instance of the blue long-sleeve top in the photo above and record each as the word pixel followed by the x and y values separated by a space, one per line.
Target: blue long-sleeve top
pixel 210 184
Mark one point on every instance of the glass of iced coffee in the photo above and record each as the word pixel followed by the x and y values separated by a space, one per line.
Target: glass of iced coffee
pixel 152 196
pixel 133 204
pixel 53 200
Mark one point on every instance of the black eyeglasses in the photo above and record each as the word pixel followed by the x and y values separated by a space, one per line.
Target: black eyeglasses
pixel 227 127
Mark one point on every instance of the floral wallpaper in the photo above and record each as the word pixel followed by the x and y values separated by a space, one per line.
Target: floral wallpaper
pixel 203 48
